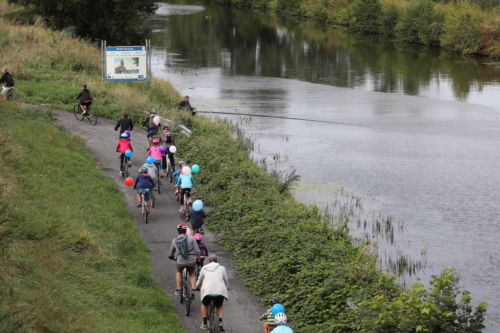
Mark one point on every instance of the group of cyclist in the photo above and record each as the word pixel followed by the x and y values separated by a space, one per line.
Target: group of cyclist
pixel 187 246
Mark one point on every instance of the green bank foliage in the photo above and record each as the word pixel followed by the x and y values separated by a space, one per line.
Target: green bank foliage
pixel 462 26
pixel 50 67
pixel 122 22
pixel 284 248
pixel 71 259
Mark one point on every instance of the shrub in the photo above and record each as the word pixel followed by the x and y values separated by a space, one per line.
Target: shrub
pixel 365 17
pixel 388 20
pixel 420 23
pixel 462 29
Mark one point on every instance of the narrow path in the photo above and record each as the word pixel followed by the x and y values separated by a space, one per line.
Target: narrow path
pixel 243 309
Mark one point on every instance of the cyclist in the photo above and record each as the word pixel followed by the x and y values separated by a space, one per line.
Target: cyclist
pixel 144 184
pixel 152 128
pixel 85 99
pixel 188 256
pixel 122 146
pixel 213 284
pixel 8 82
pixel 151 171
pixel 125 124
pixel 184 104
pixel 281 320
pixel 156 153
pixel 197 221
pixel 167 140
pixel 203 248
pixel 186 182
pixel 270 324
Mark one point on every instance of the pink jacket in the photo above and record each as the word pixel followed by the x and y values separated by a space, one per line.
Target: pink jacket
pixel 155 152
pixel 124 145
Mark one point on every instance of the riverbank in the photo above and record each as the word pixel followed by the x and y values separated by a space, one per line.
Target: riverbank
pixel 71 258
pixel 288 250
pixel 465 27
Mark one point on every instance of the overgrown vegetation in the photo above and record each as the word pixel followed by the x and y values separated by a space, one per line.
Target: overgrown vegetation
pixel 463 26
pixel 71 259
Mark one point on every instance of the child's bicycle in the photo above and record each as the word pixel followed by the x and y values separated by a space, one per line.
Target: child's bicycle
pixel 91 114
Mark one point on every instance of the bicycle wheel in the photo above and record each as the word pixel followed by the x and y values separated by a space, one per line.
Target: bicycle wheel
pixel 158 181
pixel 186 205
pixel 78 112
pixel 182 285
pixel 145 213
pixel 214 320
pixel 92 116
pixel 187 294
pixel 153 199
pixel 125 172
pixel 169 170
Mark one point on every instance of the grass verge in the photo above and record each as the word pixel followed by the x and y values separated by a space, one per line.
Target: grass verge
pixel 71 259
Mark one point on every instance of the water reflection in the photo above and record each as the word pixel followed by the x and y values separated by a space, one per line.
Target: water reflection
pixel 230 39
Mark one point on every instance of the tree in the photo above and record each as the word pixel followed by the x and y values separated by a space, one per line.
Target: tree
pixel 119 21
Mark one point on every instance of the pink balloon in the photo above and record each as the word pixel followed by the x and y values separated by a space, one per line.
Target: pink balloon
pixel 156 120
pixel 188 232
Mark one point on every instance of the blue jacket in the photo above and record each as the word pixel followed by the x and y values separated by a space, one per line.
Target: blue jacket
pixel 185 181
pixel 197 217
pixel 144 181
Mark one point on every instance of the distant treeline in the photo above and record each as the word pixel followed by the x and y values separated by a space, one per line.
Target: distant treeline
pixel 122 22
pixel 463 26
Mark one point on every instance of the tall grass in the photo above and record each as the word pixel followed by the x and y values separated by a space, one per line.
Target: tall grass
pixel 71 259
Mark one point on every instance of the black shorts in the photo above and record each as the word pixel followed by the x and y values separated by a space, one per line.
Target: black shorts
pixel 218 300
pixel 86 103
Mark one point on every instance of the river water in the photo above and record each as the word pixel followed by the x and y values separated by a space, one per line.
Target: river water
pixel 413 131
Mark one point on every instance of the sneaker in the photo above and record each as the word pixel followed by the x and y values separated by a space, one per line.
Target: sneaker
pixel 221 327
pixel 139 204
pixel 181 210
pixel 204 326
pixel 149 213
pixel 129 164
pixel 177 293
pixel 121 173
pixel 202 231
pixel 155 189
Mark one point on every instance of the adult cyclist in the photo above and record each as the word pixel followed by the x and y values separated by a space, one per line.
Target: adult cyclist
pixel 85 99
pixel 167 140
pixel 213 284
pixel 188 254
pixel 152 128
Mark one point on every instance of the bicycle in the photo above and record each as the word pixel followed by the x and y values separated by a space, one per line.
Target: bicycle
pixel 186 291
pixel 185 206
pixel 125 163
pixel 168 168
pixel 92 115
pixel 153 199
pixel 158 182
pixel 144 208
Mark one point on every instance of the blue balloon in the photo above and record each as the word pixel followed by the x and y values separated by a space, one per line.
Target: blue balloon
pixel 197 205
pixel 128 153
pixel 150 160
pixel 195 168
pixel 277 308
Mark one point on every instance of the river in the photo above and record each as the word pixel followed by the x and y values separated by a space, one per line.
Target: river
pixel 412 131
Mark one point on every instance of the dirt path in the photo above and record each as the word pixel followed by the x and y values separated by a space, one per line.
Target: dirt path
pixel 243 309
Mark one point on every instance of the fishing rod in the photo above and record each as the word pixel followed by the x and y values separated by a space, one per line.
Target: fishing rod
pixel 279 117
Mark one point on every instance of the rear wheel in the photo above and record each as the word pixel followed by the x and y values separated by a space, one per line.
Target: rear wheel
pixel 214 320
pixel 182 286
pixel 125 169
pixel 78 112
pixel 153 199
pixel 187 294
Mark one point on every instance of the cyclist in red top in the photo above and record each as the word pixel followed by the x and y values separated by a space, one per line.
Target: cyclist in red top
pixel 122 146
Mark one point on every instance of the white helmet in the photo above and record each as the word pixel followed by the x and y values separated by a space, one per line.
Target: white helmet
pixel 280 318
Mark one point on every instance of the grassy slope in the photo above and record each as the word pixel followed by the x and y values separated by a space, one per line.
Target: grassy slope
pixel 71 259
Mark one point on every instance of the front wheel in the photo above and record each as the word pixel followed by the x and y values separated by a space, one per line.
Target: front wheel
pixel 153 199
pixel 78 112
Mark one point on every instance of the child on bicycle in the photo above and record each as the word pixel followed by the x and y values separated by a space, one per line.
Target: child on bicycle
pixel 156 153
pixel 197 221
pixel 202 247
pixel 167 140
pixel 144 184
pixel 177 174
pixel 186 182
pixel 270 324
pixel 122 146
pixel 151 171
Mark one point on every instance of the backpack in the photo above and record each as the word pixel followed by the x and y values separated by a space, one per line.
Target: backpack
pixel 169 138
pixel 181 244
pixel 152 124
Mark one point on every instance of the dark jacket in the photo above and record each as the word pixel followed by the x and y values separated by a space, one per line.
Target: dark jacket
pixel 84 95
pixel 7 80
pixel 124 124
pixel 197 217
pixel 144 181
pixel 184 104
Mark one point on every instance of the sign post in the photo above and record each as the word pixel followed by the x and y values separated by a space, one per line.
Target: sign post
pixel 127 63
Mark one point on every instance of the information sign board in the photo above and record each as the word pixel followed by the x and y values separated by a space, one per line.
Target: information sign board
pixel 126 63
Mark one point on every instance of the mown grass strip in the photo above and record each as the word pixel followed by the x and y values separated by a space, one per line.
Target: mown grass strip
pixel 71 259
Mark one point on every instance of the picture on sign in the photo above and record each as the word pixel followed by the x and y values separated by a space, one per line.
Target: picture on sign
pixel 126 63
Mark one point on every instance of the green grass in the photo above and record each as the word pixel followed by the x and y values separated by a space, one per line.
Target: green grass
pixel 71 259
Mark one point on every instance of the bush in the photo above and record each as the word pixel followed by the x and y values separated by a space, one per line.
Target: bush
pixel 365 17
pixel 462 30
pixel 420 23
pixel 388 20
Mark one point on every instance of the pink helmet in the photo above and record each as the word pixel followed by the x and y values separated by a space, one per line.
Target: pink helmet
pixel 198 237
pixel 156 141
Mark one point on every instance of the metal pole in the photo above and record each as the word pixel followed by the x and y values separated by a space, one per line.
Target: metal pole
pixel 150 79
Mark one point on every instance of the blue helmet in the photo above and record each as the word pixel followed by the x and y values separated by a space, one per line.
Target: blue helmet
pixel 124 135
